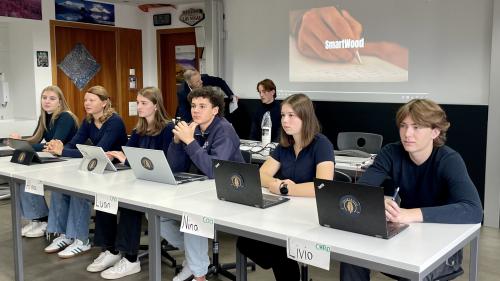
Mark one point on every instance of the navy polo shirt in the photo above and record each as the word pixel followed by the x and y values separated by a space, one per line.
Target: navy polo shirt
pixel 302 168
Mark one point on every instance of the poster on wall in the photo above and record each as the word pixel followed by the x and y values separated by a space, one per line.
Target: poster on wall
pixel 85 11
pixel 184 59
pixel 42 58
pixel 26 9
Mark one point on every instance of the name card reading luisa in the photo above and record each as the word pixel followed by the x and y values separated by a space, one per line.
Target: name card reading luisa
pixel 197 225
pixel 106 203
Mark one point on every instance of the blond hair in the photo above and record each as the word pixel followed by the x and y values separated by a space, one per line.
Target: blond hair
pixel 42 120
pixel 103 95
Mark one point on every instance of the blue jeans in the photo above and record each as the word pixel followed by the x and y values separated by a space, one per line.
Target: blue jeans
pixel 32 206
pixel 196 247
pixel 69 215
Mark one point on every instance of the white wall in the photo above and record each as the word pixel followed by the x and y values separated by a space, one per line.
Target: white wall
pixel 26 80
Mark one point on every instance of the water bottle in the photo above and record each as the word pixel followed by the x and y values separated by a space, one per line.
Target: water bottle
pixel 266 125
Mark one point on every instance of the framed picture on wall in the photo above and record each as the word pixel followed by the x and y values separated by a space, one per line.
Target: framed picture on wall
pixel 42 58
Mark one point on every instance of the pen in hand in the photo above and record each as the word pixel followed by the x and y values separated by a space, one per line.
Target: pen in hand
pixel 395 194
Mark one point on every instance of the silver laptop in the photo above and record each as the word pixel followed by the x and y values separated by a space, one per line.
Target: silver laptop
pixel 152 165
pixel 96 161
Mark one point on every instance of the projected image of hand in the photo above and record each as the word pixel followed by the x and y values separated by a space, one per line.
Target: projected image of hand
pixel 320 30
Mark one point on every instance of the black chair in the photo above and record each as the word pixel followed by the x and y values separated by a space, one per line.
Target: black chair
pixel 366 142
pixel 341 176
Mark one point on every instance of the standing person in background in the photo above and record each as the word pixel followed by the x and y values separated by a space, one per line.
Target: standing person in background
pixel 194 80
pixel 267 93
pixel 56 121
pixel 69 215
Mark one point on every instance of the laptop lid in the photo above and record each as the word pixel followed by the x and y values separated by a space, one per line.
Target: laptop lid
pixel 152 165
pixel 25 154
pixel 240 183
pixel 352 207
pixel 94 159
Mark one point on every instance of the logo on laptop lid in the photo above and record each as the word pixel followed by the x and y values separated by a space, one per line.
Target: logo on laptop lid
pixel 349 205
pixel 21 156
pixel 147 163
pixel 237 181
pixel 92 164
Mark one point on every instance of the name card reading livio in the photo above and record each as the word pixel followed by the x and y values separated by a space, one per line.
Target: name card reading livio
pixel 34 187
pixel 106 203
pixel 198 225
pixel 308 252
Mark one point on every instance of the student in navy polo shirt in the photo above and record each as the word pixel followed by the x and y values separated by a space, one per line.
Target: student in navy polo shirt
pixel 303 154
pixel 209 136
pixel 153 131
pixel 69 215
pixel 56 121
pixel 433 182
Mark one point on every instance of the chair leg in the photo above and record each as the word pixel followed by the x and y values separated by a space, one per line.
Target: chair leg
pixel 304 272
pixel 223 269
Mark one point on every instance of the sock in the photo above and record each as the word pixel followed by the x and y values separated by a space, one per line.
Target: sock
pixel 131 258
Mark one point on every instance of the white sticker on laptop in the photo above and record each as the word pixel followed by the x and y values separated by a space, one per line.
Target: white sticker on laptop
pixel 106 203
pixel 308 252
pixel 198 225
pixel 34 187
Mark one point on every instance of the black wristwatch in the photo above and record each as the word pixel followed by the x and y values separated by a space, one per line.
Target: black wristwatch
pixel 283 188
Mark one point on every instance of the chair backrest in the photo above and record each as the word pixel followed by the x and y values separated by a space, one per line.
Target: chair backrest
pixel 247 156
pixel 366 142
pixel 341 176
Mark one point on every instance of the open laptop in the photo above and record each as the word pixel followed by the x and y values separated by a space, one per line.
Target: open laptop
pixel 152 165
pixel 354 207
pixel 23 150
pixel 96 161
pixel 240 183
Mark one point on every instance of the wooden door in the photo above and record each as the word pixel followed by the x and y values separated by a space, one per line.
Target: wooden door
pixel 100 42
pixel 168 69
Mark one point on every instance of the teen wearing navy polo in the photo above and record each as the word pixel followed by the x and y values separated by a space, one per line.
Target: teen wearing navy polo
pixel 153 131
pixel 69 215
pixel 433 182
pixel 303 154
pixel 56 121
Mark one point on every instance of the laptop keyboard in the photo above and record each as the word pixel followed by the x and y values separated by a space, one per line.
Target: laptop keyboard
pixel 269 199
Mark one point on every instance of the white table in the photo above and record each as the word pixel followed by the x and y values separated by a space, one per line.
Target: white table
pixel 412 254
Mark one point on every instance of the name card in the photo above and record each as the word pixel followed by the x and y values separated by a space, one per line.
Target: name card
pixel 106 203
pixel 34 187
pixel 308 252
pixel 198 225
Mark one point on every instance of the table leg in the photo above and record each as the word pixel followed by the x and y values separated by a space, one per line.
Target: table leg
pixel 154 247
pixel 16 230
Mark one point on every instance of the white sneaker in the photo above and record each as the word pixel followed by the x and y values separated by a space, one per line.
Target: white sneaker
pixel 121 269
pixel 103 261
pixel 27 228
pixel 58 244
pixel 76 248
pixel 38 229
pixel 185 273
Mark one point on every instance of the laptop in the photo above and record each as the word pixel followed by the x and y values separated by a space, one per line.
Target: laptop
pixel 25 154
pixel 152 165
pixel 95 160
pixel 6 151
pixel 354 207
pixel 240 183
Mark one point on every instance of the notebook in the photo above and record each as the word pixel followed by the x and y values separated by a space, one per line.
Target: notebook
pixel 240 183
pixel 96 161
pixel 152 165
pixel 354 207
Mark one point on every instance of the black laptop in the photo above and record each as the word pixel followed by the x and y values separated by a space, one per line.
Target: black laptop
pixel 354 207
pixel 240 183
pixel 23 147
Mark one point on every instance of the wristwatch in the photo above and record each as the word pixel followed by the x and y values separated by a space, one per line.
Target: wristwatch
pixel 283 188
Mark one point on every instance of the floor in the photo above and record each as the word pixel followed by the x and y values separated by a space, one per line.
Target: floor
pixel 41 266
